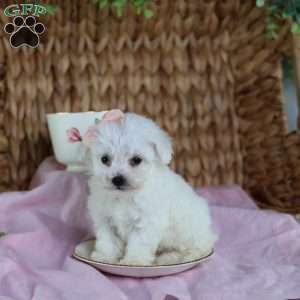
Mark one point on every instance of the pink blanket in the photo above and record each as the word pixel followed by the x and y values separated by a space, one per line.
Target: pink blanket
pixel 256 258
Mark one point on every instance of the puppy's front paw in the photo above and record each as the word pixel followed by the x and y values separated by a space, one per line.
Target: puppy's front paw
pixel 168 258
pixel 137 261
pixel 101 257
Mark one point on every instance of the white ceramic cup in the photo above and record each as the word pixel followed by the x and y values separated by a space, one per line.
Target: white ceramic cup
pixel 66 152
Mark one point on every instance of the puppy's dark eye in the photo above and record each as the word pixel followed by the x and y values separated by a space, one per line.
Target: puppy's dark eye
pixel 106 160
pixel 135 161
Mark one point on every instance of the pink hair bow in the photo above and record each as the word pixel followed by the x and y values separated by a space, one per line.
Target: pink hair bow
pixel 74 136
pixel 114 115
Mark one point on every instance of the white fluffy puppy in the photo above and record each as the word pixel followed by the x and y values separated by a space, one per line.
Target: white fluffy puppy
pixel 143 213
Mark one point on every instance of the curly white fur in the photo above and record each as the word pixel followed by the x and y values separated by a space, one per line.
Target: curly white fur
pixel 156 218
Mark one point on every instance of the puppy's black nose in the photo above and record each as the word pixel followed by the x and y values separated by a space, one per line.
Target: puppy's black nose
pixel 118 181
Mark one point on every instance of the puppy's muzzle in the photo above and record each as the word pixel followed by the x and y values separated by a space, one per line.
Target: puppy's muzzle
pixel 119 181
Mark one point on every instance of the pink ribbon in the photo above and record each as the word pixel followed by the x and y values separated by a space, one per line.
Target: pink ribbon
pixel 74 136
pixel 114 115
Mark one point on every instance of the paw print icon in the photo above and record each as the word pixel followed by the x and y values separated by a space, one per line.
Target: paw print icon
pixel 24 32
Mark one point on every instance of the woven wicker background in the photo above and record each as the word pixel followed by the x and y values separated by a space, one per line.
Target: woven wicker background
pixel 202 69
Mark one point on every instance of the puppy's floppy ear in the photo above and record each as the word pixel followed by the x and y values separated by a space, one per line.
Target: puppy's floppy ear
pixel 85 156
pixel 162 144
pixel 155 136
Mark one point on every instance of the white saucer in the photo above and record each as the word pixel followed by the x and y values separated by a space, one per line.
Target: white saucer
pixel 83 250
